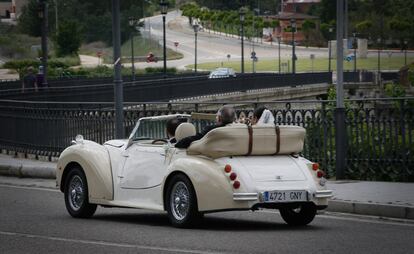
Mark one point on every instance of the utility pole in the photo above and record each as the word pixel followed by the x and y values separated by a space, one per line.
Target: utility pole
pixel 293 27
pixel 278 40
pixel 43 14
pixel 241 14
pixel 118 88
pixel 340 133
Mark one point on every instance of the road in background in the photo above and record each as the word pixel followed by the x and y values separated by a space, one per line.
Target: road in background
pixel 215 48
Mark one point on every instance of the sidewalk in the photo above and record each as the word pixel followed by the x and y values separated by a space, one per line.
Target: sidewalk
pixel 384 199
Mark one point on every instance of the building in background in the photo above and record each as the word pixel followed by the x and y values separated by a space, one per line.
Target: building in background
pixel 299 6
pixel 17 6
pixel 5 9
pixel 291 9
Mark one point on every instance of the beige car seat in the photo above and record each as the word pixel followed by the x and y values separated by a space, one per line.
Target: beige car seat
pixel 184 130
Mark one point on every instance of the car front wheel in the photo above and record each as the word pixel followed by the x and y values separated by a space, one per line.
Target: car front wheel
pixel 299 216
pixel 77 196
pixel 182 202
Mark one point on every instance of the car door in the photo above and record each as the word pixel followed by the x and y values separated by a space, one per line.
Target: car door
pixel 144 166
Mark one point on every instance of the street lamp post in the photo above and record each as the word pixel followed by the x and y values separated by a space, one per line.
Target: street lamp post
pixel 43 14
pixel 118 87
pixel 164 9
pixel 405 51
pixel 132 23
pixel 196 27
pixel 293 27
pixel 355 48
pixel 330 50
pixel 278 40
pixel 242 14
pixel 379 55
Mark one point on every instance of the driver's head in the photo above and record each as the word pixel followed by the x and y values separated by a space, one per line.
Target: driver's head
pixel 225 115
pixel 172 125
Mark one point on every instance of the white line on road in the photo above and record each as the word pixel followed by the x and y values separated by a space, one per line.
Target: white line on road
pixel 29 188
pixel 103 243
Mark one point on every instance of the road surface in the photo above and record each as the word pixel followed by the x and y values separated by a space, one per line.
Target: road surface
pixel 34 220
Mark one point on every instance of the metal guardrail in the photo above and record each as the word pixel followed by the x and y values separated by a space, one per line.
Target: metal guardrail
pixel 170 88
pixel 85 81
pixel 380 132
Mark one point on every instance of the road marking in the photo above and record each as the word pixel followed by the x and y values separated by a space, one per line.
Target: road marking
pixel 28 187
pixel 104 243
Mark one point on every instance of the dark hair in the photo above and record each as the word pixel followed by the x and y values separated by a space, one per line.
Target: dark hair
pixel 172 125
pixel 259 111
pixel 227 114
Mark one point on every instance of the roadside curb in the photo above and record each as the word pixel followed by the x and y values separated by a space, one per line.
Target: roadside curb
pixel 381 210
pixel 28 171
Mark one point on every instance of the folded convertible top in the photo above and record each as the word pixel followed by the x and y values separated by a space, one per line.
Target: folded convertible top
pixel 240 139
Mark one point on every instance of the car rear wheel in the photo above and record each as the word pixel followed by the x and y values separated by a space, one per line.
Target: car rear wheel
pixel 182 202
pixel 298 216
pixel 77 195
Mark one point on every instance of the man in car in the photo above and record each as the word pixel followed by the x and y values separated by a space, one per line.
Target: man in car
pixel 225 115
pixel 171 126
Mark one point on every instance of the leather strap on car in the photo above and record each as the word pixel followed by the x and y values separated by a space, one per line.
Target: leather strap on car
pixel 277 129
pixel 250 129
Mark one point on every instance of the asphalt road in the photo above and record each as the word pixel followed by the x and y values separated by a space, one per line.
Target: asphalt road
pixel 34 220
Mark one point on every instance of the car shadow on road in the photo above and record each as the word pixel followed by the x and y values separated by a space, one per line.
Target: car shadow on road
pixel 209 222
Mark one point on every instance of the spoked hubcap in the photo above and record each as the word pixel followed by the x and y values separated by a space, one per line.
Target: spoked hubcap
pixel 179 201
pixel 76 192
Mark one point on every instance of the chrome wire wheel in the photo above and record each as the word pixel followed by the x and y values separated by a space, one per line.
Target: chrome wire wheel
pixel 76 192
pixel 180 201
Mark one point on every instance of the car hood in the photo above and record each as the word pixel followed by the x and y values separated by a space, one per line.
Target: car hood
pixel 116 142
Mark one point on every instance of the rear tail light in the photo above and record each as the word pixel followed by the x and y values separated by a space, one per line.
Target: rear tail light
pixel 233 176
pixel 320 174
pixel 227 168
pixel 315 166
pixel 236 184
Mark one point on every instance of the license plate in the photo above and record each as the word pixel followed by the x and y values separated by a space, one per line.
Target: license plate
pixel 284 196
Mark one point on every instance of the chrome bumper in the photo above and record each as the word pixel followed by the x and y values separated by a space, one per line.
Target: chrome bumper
pixel 323 194
pixel 245 196
pixel 259 196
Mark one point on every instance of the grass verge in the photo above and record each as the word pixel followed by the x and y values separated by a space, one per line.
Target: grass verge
pixel 306 65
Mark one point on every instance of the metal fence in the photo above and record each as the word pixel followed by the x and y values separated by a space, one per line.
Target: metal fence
pixel 15 85
pixel 379 132
pixel 170 88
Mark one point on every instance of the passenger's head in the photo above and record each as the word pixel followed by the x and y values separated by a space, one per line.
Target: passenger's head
pixel 257 113
pixel 30 69
pixel 172 125
pixel 226 115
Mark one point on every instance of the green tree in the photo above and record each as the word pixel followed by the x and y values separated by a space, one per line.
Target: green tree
pixel 400 29
pixel 364 27
pixel 68 39
pixel 29 22
pixel 307 27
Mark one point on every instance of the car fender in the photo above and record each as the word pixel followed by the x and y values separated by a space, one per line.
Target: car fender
pixel 95 162
pixel 213 189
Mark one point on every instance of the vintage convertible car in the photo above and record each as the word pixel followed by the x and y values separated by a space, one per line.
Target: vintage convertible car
pixel 235 167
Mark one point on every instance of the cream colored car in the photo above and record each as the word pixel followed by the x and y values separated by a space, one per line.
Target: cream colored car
pixel 235 167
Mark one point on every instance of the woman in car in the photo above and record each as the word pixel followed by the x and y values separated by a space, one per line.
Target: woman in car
pixel 263 116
